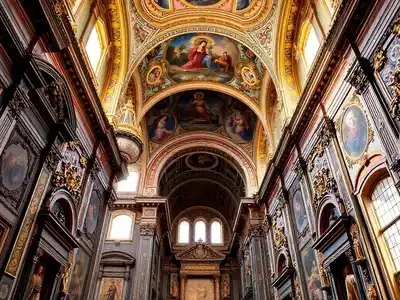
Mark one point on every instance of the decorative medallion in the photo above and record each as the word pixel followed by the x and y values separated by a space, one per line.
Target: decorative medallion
pixel 355 132
pixel 249 76
pixel 201 161
pixel 154 75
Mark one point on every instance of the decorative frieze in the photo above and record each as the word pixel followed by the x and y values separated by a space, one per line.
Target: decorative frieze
pixel 148 229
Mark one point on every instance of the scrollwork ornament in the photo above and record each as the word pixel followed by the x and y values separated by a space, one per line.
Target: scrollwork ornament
pixel 67 177
pixel 396 27
pixel 380 59
pixel 17 104
pixel 323 183
pixel 395 86
pixel 359 80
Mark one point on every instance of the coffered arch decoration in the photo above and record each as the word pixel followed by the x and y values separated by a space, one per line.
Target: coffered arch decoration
pixel 177 144
pixel 119 62
pixel 233 12
pixel 286 71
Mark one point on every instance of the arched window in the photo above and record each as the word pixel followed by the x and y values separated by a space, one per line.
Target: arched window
pixel 386 203
pixel 200 231
pixel 183 233
pixel 121 227
pixel 311 46
pixel 130 184
pixel 94 49
pixel 216 232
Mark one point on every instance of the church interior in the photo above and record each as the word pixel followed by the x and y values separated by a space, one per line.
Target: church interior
pixel 199 150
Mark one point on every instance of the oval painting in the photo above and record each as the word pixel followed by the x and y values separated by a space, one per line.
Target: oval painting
pixel 92 214
pixel 14 166
pixel 201 161
pixel 354 129
pixel 202 57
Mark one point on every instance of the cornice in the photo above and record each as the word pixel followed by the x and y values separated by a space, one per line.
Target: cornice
pixel 316 85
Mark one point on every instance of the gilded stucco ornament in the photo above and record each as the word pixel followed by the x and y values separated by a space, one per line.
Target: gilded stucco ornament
pixel 67 177
pixel 322 271
pixel 396 27
pixel 380 59
pixel 323 183
pixel 395 85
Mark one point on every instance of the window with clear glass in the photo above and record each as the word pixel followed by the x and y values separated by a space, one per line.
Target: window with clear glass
pixel 183 234
pixel 386 202
pixel 93 48
pixel 121 227
pixel 200 231
pixel 130 184
pixel 216 232
pixel 311 47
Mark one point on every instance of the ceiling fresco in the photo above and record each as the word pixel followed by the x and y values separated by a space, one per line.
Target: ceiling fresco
pixel 157 10
pixel 202 57
pixel 227 5
pixel 201 110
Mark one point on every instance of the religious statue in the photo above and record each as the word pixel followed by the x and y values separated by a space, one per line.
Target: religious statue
pixel 36 283
pixel 356 243
pixel 225 287
pixel 350 282
pixel 175 288
pixel 66 274
pixel 322 271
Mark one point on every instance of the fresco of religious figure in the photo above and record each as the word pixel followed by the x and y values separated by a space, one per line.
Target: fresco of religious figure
pixel 111 289
pixel 312 273
pixel 35 285
pixel 92 214
pixel 78 277
pixel 201 110
pixel 299 211
pixel 14 166
pixel 240 123
pixel 354 131
pixel 206 57
pixel 200 289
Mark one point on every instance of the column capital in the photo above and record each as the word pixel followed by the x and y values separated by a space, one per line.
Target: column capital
pixel 148 229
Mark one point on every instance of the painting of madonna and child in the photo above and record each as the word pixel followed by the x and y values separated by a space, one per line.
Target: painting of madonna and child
pixel 201 110
pixel 205 57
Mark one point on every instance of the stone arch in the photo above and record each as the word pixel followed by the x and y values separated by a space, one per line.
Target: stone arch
pixel 64 111
pixel 64 198
pixel 198 139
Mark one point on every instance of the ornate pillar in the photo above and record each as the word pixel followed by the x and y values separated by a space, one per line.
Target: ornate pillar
pixel 216 285
pixel 142 288
pixel 183 285
pixel 257 257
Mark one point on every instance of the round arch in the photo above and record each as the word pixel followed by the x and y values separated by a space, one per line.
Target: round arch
pixel 218 87
pixel 198 139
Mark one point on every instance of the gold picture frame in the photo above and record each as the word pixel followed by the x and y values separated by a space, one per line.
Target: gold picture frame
pixel 355 133
pixel 4 230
